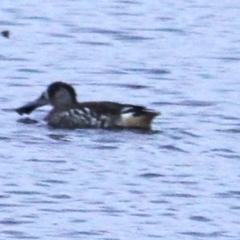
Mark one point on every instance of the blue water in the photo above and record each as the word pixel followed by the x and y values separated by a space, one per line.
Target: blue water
pixel 179 181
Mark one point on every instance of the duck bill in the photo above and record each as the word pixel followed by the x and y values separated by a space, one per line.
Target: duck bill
pixel 31 106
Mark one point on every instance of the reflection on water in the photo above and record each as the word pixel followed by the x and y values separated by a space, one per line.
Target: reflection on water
pixel 27 120
pixel 181 179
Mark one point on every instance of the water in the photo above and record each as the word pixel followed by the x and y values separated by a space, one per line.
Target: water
pixel 179 181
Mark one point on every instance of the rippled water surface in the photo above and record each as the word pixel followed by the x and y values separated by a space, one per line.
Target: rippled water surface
pixel 178 181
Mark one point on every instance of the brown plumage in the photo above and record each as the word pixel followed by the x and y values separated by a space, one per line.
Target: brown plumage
pixel 67 112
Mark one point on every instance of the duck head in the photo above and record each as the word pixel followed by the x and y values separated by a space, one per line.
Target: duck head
pixel 58 94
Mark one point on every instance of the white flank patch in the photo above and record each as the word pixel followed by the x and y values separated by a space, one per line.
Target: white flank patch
pixel 126 116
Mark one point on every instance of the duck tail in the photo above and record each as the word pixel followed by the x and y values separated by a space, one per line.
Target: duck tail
pixel 138 117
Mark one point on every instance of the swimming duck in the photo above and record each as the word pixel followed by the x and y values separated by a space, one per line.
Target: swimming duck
pixel 68 113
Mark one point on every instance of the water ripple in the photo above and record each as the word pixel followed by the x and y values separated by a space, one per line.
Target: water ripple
pixel 151 175
pixel 18 234
pixel 229 194
pixel 10 222
pixel 200 219
pixel 205 235
pixel 28 70
pixel 173 148
pixel 180 195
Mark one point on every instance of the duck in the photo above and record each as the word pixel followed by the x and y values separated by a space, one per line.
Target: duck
pixel 68 113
